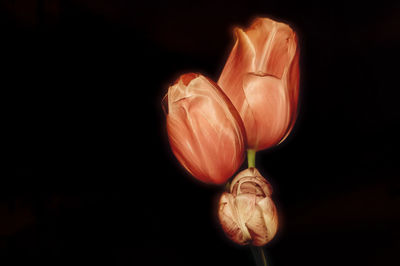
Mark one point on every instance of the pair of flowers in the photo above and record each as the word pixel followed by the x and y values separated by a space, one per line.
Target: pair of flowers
pixel 253 106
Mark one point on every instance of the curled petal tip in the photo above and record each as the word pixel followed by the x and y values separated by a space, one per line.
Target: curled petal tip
pixel 187 78
pixel 164 104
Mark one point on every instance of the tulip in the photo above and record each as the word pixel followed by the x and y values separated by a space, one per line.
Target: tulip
pixel 205 131
pixel 247 214
pixel 261 78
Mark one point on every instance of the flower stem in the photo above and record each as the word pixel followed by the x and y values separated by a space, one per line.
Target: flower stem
pixel 259 256
pixel 258 252
pixel 251 158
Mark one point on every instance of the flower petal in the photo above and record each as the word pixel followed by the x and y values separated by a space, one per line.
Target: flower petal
pixel 228 216
pixel 257 228
pixel 270 215
pixel 240 61
pixel 268 102
pixel 252 176
pixel 293 83
pixel 274 45
pixel 205 131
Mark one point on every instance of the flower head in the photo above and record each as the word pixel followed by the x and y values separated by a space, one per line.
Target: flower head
pixel 248 214
pixel 205 131
pixel 261 78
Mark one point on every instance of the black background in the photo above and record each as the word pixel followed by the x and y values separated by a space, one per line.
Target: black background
pixel 88 175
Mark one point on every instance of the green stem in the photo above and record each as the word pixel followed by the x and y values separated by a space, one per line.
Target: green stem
pixel 251 158
pixel 258 252
pixel 259 256
pixel 264 260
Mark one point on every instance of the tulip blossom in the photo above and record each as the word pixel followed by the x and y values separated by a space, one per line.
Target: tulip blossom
pixel 247 214
pixel 261 78
pixel 205 131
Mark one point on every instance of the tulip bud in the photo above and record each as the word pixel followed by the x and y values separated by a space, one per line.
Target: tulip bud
pixel 248 214
pixel 261 78
pixel 205 131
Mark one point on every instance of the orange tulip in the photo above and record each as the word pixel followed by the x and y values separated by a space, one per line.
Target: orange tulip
pixel 248 214
pixel 261 78
pixel 205 131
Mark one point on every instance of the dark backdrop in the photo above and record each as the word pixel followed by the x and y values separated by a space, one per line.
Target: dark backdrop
pixel 88 175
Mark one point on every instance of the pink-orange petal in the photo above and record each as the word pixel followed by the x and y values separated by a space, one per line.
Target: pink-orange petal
pixel 268 100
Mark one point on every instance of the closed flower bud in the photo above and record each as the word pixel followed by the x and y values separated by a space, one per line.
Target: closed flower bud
pixel 247 214
pixel 261 78
pixel 205 131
